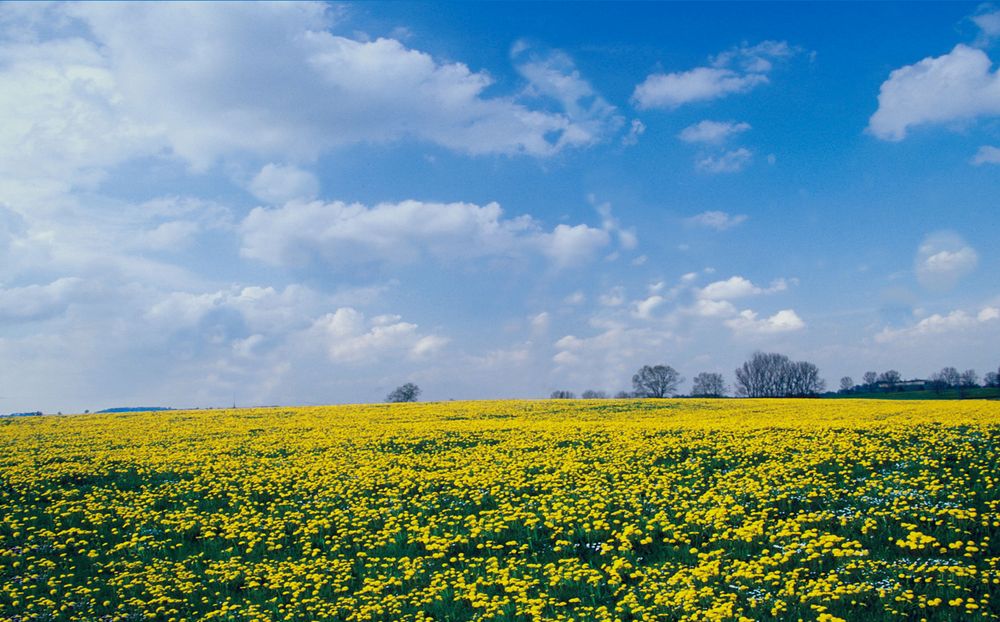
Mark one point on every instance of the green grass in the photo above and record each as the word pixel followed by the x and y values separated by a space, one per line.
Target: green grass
pixel 978 393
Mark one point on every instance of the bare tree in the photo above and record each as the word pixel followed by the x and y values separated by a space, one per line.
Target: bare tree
pixel 869 379
pixel 708 384
pixel 594 395
pixel 804 380
pixel 408 392
pixel 968 379
pixel 950 377
pixel 624 395
pixel 775 375
pixel 562 395
pixel 846 384
pixel 890 378
pixel 656 381
pixel 992 379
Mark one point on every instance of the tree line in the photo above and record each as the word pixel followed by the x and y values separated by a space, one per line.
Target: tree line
pixel 765 374
pixel 949 378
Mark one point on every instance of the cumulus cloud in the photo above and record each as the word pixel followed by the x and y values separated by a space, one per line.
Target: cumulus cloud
pixel 570 246
pixel 738 287
pixel 937 324
pixel 250 316
pixel 748 323
pixel 277 184
pixel 956 86
pixel 351 338
pixel 209 80
pixel 735 71
pixel 943 259
pixel 707 307
pixel 38 302
pixel 718 220
pixel 341 235
pixel 712 132
pixel 987 154
pixel 732 161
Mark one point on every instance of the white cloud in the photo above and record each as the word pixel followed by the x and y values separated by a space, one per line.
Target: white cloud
pixel 609 358
pixel 706 307
pixel 988 23
pixel 569 246
pixel 747 323
pixel 38 302
pixel 718 220
pixel 735 71
pixel 636 129
pixel 712 132
pixel 729 162
pixel 738 287
pixel 208 80
pixel 62 118
pixel 943 259
pixel 670 90
pixel 987 154
pixel 958 85
pixel 937 324
pixel 643 309
pixel 553 74
pixel 342 235
pixel 350 338
pixel 277 184
pixel 627 238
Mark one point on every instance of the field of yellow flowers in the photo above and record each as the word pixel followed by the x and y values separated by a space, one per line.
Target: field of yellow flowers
pixel 506 510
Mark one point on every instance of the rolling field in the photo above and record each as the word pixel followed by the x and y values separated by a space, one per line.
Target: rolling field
pixel 506 510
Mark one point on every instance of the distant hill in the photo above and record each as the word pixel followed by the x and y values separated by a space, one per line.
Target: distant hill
pixel 133 409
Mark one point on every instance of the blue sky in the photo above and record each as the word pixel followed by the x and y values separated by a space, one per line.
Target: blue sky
pixel 314 203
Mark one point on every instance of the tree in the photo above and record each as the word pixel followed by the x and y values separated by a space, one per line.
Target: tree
pixel 846 384
pixel 890 379
pixel 949 376
pixel 562 395
pixel 708 384
pixel 804 380
pixel 992 379
pixel 405 393
pixel 594 395
pixel 968 379
pixel 624 395
pixel 657 381
pixel 869 379
pixel 768 374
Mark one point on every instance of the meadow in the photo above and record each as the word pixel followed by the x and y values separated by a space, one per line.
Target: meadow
pixel 506 510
